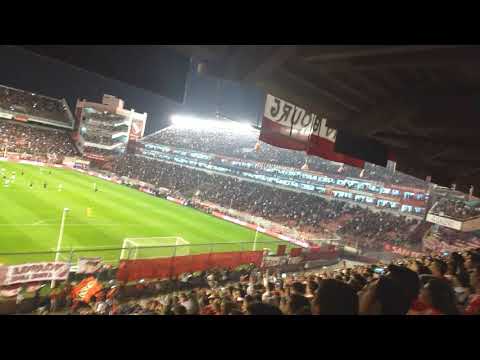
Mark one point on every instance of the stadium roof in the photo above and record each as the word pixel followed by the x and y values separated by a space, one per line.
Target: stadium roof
pixel 422 101
pixel 419 100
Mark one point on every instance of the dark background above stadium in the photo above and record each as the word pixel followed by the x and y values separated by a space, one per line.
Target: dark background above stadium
pixel 153 68
pixel 419 100
pixel 24 69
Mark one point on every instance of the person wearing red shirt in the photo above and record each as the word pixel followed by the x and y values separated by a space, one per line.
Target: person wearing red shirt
pixel 473 305
pixel 436 298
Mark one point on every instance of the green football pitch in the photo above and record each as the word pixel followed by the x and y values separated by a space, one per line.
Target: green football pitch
pixel 30 220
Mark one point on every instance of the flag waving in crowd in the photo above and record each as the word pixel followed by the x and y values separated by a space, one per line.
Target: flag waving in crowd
pixel 86 289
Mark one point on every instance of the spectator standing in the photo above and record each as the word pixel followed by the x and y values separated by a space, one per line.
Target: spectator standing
pixel 439 298
pixel 335 298
pixel 473 304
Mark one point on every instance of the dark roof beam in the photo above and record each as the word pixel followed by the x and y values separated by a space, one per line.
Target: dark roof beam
pixel 274 60
pixel 315 71
pixel 346 53
pixel 372 86
pixel 320 91
pixel 437 62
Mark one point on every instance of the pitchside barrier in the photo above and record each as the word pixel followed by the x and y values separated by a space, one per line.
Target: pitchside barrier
pixel 135 261
pixel 135 249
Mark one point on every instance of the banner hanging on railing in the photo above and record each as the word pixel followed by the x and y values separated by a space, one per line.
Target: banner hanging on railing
pixel 89 265
pixel 132 270
pixel 402 251
pixel 25 273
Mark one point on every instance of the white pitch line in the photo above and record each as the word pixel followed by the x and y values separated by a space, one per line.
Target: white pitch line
pixel 39 224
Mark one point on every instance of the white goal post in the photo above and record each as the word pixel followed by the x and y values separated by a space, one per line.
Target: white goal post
pixel 154 247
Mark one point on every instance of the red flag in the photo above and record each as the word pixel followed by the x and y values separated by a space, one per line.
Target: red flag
pixel 322 143
pixel 86 289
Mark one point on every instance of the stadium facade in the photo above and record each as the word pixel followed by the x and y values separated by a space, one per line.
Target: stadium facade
pixel 104 129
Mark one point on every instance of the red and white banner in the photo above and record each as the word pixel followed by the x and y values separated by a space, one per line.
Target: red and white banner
pixel 89 265
pixel 25 273
pixel 322 143
pixel 288 126
pixel 136 129
pixel 274 261
pixel 402 251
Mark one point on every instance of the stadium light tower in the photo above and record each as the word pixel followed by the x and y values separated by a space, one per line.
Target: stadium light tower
pixel 59 242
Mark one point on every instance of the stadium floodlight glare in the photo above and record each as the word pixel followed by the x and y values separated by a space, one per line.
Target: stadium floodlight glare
pixel 193 122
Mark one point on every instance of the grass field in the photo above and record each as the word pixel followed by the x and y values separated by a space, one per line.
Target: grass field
pixel 30 219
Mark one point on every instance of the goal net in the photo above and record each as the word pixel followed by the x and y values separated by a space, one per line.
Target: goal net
pixel 154 247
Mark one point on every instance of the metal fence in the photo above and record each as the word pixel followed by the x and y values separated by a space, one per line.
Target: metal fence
pixel 112 255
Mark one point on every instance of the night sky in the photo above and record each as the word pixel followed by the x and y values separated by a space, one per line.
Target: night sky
pixel 24 70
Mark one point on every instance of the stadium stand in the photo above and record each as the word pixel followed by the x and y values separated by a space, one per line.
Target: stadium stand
pixel 23 102
pixel 220 141
pixel 35 139
pixel 440 285
pixel 446 284
pixel 456 209
pixel 296 210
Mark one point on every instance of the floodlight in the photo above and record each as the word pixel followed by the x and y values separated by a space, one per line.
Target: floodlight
pixel 193 122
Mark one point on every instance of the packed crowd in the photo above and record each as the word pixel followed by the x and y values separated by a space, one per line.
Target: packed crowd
pixel 373 230
pixel 35 140
pixel 457 209
pixel 32 104
pixel 99 138
pixel 431 285
pixel 451 240
pixel 98 151
pixel 103 118
pixel 243 145
pixel 95 126
pixel 293 209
